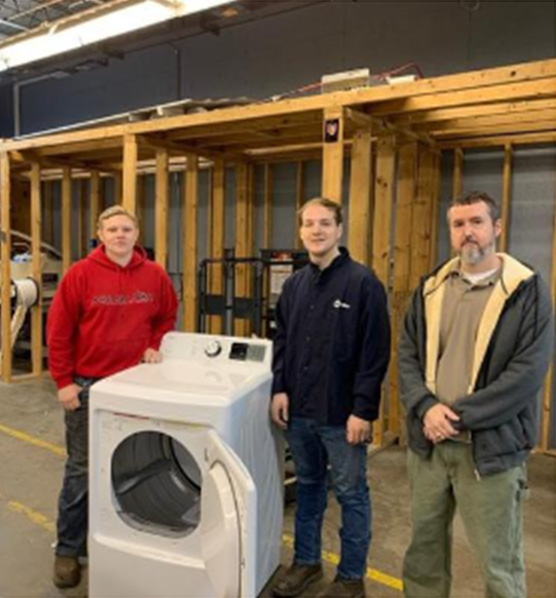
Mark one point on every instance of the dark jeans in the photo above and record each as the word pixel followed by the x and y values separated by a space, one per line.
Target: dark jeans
pixel 313 448
pixel 73 501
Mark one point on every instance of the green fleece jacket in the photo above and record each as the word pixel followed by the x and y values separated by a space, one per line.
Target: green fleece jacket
pixel 512 352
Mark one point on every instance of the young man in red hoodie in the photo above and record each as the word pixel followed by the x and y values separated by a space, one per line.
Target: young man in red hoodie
pixel 109 313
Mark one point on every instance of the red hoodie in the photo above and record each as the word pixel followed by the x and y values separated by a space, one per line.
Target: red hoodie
pixel 104 316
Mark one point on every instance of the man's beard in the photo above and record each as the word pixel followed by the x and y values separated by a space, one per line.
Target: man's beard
pixel 472 254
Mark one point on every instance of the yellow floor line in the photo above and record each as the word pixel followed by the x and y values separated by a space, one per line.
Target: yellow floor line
pixel 49 446
pixel 334 559
pixel 34 516
pixel 42 521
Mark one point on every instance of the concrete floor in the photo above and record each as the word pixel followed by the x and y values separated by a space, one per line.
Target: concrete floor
pixel 31 434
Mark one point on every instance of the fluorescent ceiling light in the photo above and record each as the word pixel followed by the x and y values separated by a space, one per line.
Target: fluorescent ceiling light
pixel 63 37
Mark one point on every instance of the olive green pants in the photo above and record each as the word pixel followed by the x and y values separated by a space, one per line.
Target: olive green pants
pixel 491 510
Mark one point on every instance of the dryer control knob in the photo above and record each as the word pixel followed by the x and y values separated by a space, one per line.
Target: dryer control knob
pixel 213 348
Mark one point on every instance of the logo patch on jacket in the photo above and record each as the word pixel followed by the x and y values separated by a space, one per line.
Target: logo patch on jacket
pixel 340 305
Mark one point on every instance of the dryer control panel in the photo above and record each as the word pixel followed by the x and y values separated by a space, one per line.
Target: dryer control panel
pixel 216 349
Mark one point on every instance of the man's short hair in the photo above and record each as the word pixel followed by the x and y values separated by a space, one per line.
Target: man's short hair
pixel 467 199
pixel 116 211
pixel 334 206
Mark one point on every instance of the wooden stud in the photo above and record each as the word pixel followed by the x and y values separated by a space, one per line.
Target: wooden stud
pixel 190 246
pixel 243 247
pixel 267 210
pixel 66 219
pixel 437 184
pixel 79 211
pixel 36 271
pixel 382 222
pixel 422 209
pixel 142 205
pixel 216 234
pixel 548 400
pixel 5 255
pixel 161 207
pixel 48 210
pixel 406 189
pixel 333 153
pixel 118 188
pixel 129 200
pixel 506 198
pixel 360 197
pixel 94 206
pixel 299 200
pixel 457 180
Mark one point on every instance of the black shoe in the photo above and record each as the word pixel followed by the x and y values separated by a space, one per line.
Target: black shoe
pixel 67 571
pixel 296 578
pixel 344 588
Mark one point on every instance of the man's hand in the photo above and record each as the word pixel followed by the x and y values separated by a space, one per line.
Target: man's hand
pixel 68 397
pixel 152 356
pixel 357 430
pixel 279 409
pixel 437 423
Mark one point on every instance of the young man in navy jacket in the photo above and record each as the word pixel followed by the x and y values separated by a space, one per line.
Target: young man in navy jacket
pixel 331 353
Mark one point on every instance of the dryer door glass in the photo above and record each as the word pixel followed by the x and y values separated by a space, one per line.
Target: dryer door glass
pixel 156 484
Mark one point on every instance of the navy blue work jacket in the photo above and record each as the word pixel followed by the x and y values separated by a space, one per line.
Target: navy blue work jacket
pixel 332 345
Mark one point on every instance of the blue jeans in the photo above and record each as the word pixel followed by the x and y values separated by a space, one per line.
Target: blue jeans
pixel 314 447
pixel 73 502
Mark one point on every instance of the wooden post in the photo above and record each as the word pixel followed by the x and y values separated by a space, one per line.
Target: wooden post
pixel 36 310
pixel 457 183
pixel 243 244
pixel 118 186
pixel 360 197
pixel 79 216
pixel 437 183
pixel 333 153
pixel 216 232
pixel 506 198
pixel 549 400
pixel 190 245
pixel 94 206
pixel 298 202
pixel 66 218
pixel 129 200
pixel 5 251
pixel 141 207
pixel 161 207
pixel 48 208
pixel 267 210
pixel 421 227
pixel 406 191
pixel 382 223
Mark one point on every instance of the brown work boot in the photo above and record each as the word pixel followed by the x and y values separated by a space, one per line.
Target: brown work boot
pixel 296 578
pixel 344 588
pixel 67 571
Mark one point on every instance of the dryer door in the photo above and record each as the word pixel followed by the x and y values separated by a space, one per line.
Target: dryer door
pixel 228 522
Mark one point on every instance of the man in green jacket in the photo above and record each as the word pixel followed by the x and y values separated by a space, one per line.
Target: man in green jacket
pixel 475 347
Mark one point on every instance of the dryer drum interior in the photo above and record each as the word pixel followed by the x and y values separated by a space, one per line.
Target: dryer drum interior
pixel 157 484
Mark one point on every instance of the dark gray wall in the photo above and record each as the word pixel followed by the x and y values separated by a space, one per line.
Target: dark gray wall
pixel 6 112
pixel 282 53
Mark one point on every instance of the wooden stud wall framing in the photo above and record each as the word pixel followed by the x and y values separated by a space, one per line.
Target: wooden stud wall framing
pixel 299 200
pixel 506 197
pixel 502 107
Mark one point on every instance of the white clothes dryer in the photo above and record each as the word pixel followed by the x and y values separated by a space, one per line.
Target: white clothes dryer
pixel 186 474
